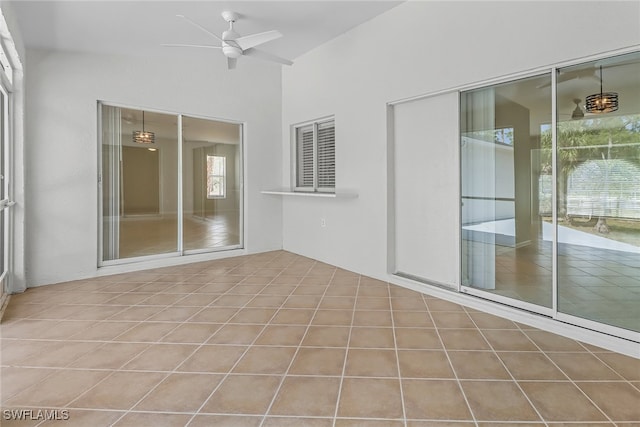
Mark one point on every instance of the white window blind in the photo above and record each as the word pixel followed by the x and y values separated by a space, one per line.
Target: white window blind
pixel 304 148
pixel 326 155
pixel 315 147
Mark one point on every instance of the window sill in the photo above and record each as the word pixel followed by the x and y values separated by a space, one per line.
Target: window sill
pixel 337 195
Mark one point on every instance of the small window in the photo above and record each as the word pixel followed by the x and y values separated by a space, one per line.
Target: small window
pixel 315 159
pixel 216 177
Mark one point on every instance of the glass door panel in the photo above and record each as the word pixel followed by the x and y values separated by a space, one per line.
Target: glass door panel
pixel 212 178
pixel 139 183
pixel 506 211
pixel 598 190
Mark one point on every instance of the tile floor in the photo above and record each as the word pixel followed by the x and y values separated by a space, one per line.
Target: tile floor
pixel 276 339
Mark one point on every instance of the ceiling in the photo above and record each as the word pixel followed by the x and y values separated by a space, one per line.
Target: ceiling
pixel 140 27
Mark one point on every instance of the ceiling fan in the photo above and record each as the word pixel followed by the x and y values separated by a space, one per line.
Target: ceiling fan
pixel 233 45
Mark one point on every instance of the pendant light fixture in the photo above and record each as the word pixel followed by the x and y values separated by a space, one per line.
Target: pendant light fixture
pixel 603 102
pixel 142 136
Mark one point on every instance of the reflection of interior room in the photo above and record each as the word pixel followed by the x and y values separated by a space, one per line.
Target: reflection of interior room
pixel 148 187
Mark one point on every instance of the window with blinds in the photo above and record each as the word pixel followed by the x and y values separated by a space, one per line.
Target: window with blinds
pixel 315 148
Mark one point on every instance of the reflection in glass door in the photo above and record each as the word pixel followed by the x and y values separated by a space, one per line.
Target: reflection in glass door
pixel 598 193
pixel 211 183
pixel 506 235
pixel 162 198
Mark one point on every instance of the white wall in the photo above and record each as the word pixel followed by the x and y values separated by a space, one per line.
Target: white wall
pixel 416 48
pixel 61 142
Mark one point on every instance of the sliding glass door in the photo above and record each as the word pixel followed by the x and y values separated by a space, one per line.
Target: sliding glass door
pixel 165 198
pixel 551 205
pixel 506 233
pixel 599 192
pixel 211 177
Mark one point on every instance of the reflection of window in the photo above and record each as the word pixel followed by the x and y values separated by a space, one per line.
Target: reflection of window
pixel 499 136
pixel 216 177
pixel 315 160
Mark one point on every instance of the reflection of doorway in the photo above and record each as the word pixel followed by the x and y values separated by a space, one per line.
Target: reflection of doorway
pixel 141 181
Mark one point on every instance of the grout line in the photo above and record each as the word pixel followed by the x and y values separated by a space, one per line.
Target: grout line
pixel 346 353
pixel 446 352
pixel 395 344
pixel 304 335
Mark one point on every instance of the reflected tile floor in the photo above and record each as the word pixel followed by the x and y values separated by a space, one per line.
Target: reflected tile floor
pixel 276 339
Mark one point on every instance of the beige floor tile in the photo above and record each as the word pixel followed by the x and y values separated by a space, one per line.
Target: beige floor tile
pixel 336 290
pixel 436 304
pixel 180 393
pixel 197 300
pixel 238 301
pixel 109 356
pixel 278 289
pixel 60 354
pixel 84 418
pixel 509 340
pixel 552 342
pixel 192 333
pixel 431 423
pixel 463 339
pixel 326 336
pixel 318 361
pixel 373 290
pixel 530 366
pixel 619 400
pixel 253 315
pixel 103 331
pixel 337 303
pixel 333 318
pixel 160 357
pixel 236 334
pixel 58 389
pixel 121 390
pixel 417 338
pixel 293 317
pixel 372 363
pixel 372 318
pixel 297 422
pixel 304 301
pixel 307 396
pixel 14 380
pixel 583 366
pixel 370 398
pixel 243 394
pixel 213 358
pixel 214 314
pixel 373 303
pixel 452 319
pixel 418 319
pixel 310 290
pixel 424 364
pixel 135 313
pixel 478 365
pixel 15 351
pixel 267 301
pixel 281 335
pixel 175 314
pixel 226 421
pixel 561 401
pixel 434 400
pixel 147 332
pixel 368 423
pixel 265 360
pixel 142 419
pixel 372 337
pixel 626 366
pixel 498 401
pixel 489 321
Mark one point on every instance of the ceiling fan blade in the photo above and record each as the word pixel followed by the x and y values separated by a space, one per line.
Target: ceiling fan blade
pixel 231 63
pixel 195 24
pixel 256 53
pixel 253 40
pixel 204 46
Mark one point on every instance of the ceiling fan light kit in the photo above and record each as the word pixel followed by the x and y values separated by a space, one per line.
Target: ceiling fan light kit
pixel 233 45
pixel 603 102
